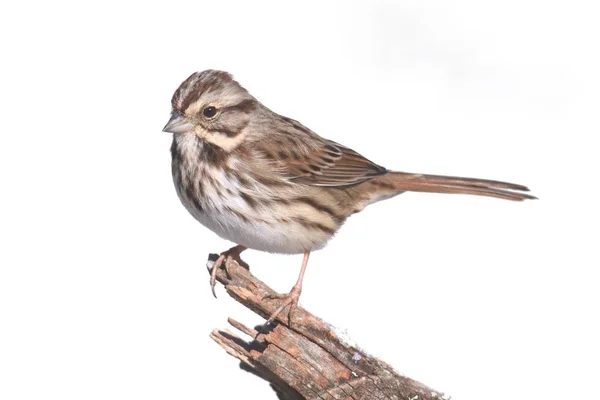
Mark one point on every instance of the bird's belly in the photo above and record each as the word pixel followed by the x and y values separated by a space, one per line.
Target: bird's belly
pixel 261 224
pixel 263 234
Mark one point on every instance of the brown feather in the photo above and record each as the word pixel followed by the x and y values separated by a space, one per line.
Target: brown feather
pixel 305 157
pixel 406 182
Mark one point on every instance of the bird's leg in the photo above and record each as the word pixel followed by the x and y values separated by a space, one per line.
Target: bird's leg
pixel 225 259
pixel 290 299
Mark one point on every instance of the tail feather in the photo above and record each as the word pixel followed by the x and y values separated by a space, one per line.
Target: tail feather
pixel 406 182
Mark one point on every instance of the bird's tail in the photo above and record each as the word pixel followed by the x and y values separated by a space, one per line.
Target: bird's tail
pixel 406 182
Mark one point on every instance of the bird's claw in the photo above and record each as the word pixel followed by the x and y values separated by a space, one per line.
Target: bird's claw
pixel 213 273
pixel 225 260
pixel 290 299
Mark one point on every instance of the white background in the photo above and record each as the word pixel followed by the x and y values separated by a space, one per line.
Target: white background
pixel 103 289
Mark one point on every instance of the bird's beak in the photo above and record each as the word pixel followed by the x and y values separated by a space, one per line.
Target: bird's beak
pixel 178 124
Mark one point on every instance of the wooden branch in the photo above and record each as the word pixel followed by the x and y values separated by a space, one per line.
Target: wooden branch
pixel 307 360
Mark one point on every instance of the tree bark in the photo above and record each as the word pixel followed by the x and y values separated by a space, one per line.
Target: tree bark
pixel 306 360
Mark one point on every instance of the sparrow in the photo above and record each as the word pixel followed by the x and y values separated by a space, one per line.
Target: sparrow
pixel 266 182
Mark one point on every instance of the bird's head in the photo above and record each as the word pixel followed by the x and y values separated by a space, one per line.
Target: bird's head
pixel 213 106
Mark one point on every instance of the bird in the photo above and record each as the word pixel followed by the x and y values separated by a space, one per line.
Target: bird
pixel 266 182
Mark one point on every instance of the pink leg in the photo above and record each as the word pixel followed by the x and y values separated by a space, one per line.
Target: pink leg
pixel 229 256
pixel 291 299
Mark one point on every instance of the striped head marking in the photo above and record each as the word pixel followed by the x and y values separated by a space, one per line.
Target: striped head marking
pixel 213 106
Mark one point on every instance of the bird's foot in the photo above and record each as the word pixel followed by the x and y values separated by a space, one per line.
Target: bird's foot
pixel 225 260
pixel 290 299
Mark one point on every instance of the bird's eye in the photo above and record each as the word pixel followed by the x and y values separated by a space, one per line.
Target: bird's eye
pixel 209 112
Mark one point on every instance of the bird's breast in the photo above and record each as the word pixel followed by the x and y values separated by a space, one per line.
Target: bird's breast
pixel 238 206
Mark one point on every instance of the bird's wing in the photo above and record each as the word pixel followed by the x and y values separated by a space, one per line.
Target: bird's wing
pixel 304 157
